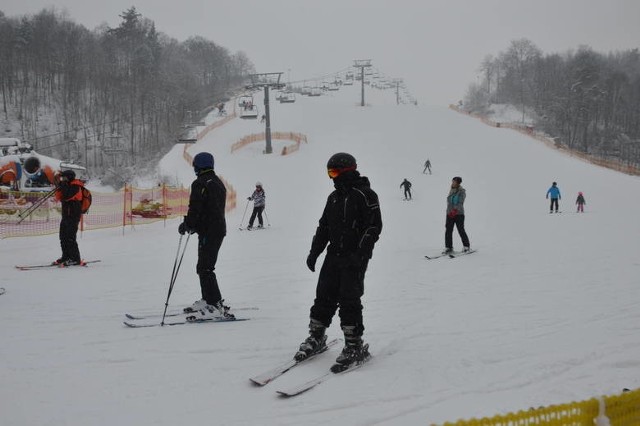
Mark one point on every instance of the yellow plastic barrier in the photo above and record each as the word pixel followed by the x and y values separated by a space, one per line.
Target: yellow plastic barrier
pixel 617 410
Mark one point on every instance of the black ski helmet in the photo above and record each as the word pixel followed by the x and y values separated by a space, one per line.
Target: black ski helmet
pixel 457 179
pixel 69 174
pixel 342 160
pixel 202 161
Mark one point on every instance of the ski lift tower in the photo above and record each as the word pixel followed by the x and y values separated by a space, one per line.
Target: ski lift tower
pixel 362 64
pixel 266 80
pixel 398 82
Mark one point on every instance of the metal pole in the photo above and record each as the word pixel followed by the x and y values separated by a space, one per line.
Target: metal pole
pixel 174 273
pixel 269 149
pixel 362 81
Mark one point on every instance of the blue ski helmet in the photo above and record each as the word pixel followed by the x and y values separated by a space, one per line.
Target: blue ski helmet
pixel 202 161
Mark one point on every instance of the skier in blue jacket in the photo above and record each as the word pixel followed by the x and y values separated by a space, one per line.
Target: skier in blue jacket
pixel 554 194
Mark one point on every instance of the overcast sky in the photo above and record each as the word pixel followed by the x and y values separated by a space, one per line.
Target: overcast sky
pixel 436 46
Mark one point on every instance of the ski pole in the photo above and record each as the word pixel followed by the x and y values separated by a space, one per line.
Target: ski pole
pixel 174 272
pixel 244 214
pixel 266 217
pixel 28 212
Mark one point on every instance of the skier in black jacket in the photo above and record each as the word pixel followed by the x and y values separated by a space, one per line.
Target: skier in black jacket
pixel 350 225
pixel 206 217
pixel 407 189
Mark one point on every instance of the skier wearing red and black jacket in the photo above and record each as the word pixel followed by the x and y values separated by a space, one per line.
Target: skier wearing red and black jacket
pixel 206 218
pixel 350 224
pixel 69 193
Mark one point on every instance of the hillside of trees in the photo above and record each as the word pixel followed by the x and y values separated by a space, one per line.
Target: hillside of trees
pixel 108 98
pixel 588 101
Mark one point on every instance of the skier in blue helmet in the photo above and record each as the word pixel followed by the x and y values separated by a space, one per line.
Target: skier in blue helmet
pixel 206 218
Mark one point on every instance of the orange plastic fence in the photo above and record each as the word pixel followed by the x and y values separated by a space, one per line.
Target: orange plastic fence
pixel 216 124
pixel 297 138
pixel 131 206
pixel 530 131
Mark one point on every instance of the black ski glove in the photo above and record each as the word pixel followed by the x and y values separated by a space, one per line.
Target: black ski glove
pixel 311 262
pixel 184 228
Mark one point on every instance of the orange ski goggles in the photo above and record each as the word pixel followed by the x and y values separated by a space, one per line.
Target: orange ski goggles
pixel 334 173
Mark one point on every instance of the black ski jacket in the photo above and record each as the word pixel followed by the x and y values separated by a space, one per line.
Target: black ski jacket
pixel 206 205
pixel 351 221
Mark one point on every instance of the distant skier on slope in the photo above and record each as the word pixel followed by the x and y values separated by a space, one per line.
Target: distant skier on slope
pixel 350 225
pixel 427 166
pixel 206 218
pixel 455 216
pixel 259 204
pixel 580 202
pixel 407 189
pixel 554 193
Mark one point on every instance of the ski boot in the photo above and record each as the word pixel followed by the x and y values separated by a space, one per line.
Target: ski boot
pixel 195 307
pixel 354 351
pixel 315 343
pixel 216 311
pixel 447 250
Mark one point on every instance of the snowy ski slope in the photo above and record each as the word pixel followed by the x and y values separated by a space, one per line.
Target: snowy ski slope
pixel 545 312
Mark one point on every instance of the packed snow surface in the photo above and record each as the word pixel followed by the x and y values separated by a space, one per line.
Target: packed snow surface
pixel 545 312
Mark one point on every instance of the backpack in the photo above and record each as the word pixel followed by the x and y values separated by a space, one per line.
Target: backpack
pixel 85 203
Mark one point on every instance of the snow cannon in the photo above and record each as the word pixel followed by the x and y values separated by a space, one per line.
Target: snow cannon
pixel 10 173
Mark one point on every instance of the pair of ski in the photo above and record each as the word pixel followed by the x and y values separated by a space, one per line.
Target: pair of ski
pixel 336 370
pixel 153 320
pixel 451 255
pixel 52 265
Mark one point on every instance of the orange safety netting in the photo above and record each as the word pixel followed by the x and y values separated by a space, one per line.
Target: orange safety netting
pixel 34 213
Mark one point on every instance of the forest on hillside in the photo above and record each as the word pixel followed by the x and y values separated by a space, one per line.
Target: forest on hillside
pixel 108 98
pixel 588 101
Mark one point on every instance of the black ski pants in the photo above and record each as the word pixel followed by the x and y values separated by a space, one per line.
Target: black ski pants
pixel 554 201
pixel 407 193
pixel 458 222
pixel 68 241
pixel 340 284
pixel 208 248
pixel 257 211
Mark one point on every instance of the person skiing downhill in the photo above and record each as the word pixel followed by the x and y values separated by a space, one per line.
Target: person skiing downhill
pixel 206 218
pixel 580 201
pixel 554 192
pixel 350 224
pixel 259 204
pixel 69 193
pixel 427 166
pixel 407 189
pixel 455 216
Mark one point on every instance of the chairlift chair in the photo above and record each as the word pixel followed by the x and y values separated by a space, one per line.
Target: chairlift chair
pixel 288 98
pixel 250 112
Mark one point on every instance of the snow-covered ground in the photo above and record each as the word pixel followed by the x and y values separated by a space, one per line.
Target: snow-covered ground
pixel 545 312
